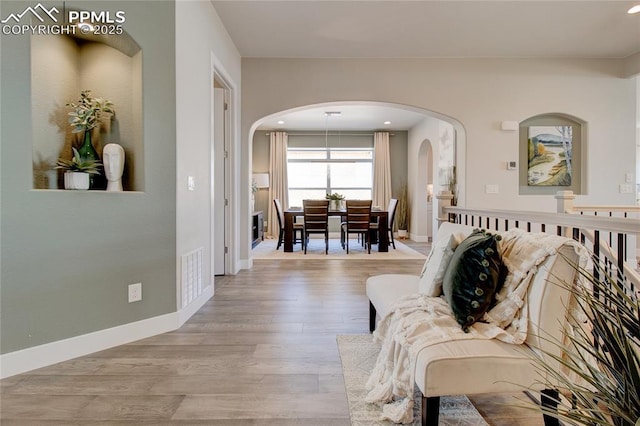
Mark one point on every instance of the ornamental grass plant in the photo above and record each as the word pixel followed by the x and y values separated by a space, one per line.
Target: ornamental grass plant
pixel 599 374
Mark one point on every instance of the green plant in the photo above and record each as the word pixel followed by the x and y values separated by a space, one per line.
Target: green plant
pixel 87 113
pixel 77 164
pixel 335 196
pixel 601 362
pixel 402 208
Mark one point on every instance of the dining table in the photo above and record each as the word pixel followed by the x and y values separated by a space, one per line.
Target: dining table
pixel 383 227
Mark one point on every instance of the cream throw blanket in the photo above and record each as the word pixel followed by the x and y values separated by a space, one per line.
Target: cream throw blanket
pixel 418 321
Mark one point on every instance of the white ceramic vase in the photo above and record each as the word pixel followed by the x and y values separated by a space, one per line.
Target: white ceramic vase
pixel 336 205
pixel 76 180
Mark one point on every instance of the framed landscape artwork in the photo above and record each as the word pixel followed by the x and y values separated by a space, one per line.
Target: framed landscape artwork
pixel 550 153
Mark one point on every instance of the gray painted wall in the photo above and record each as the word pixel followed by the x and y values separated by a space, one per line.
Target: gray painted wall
pixel 68 256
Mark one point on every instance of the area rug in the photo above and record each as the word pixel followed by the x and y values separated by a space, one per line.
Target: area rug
pixel 358 353
pixel 267 250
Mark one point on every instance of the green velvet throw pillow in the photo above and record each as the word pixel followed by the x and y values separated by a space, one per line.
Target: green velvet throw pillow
pixel 473 277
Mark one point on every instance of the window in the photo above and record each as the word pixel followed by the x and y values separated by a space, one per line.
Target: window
pixel 315 172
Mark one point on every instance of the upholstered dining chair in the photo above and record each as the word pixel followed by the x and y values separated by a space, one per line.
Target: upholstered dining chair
pixel 391 210
pixel 358 222
pixel 297 227
pixel 316 221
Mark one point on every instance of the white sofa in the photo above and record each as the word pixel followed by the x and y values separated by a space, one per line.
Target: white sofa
pixel 483 366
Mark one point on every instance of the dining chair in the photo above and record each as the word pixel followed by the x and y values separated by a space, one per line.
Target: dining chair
pixel 297 227
pixel 316 221
pixel 358 222
pixel 391 216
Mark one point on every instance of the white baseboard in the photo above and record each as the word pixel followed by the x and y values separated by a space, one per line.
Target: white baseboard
pixel 245 264
pixel 30 359
pixel 187 312
pixel 420 238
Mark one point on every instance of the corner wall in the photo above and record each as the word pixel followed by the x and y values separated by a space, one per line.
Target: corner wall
pixel 202 46
pixel 68 256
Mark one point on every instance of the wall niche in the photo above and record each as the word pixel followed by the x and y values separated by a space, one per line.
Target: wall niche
pixel 61 67
pixel 551 155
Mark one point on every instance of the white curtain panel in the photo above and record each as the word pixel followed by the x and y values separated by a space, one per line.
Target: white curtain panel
pixel 381 170
pixel 279 183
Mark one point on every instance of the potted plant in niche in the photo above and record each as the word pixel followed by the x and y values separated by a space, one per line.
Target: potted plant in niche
pixel 336 201
pixel 86 115
pixel 78 171
pixel 401 212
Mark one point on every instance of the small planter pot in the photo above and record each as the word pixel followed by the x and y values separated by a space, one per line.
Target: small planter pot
pixel 76 180
pixel 402 233
pixel 336 205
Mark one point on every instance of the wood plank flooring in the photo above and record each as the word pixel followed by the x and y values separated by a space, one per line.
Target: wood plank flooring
pixel 262 351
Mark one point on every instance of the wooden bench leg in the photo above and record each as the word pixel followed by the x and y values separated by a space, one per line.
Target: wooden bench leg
pixel 430 410
pixel 549 399
pixel 372 317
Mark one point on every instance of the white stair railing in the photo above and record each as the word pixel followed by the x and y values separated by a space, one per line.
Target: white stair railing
pixel 588 229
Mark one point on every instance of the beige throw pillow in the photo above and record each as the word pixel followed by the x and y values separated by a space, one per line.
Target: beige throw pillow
pixel 432 274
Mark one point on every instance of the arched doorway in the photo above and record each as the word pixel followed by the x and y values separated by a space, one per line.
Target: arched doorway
pixel 422 166
pixel 423 193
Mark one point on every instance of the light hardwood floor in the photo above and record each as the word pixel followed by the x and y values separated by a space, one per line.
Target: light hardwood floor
pixel 262 351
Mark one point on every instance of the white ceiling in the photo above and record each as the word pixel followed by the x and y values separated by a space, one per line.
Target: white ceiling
pixel 444 28
pixel 354 116
pixel 419 29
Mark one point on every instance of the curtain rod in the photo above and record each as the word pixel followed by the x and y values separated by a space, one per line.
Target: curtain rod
pixel 330 134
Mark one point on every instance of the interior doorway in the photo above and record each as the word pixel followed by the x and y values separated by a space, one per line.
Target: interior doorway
pixel 435 152
pixel 423 193
pixel 219 178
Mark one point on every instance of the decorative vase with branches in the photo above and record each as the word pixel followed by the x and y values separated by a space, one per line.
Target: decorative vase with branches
pixel 86 115
pixel 402 218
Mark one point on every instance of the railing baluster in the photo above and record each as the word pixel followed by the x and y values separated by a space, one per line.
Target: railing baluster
pixel 576 234
pixel 596 257
pixel 621 257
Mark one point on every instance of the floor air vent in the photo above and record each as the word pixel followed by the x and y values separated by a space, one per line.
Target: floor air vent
pixel 191 276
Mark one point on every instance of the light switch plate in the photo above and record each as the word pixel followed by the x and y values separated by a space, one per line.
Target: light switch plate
pixel 191 183
pixel 491 189
pixel 626 188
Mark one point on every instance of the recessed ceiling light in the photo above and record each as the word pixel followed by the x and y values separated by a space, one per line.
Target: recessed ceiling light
pixel 634 9
pixel 387 122
pixel 280 122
